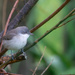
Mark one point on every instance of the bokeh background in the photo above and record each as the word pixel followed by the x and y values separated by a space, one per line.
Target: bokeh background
pixel 60 44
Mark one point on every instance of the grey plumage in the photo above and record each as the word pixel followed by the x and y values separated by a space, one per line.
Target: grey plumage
pixel 10 34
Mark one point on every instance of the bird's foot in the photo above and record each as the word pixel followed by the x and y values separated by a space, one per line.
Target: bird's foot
pixel 12 57
pixel 24 53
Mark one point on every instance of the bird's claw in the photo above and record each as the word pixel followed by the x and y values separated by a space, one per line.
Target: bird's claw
pixel 24 53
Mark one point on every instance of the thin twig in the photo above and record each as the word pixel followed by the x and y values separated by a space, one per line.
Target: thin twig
pixel 10 16
pixel 2 72
pixel 9 20
pixel 9 73
pixel 39 62
pixel 73 14
pixel 26 48
pixel 65 23
pixel 50 17
pixel 32 71
pixel 46 68
pixel 4 13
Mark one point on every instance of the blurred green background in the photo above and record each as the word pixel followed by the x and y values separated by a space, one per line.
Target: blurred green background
pixel 60 44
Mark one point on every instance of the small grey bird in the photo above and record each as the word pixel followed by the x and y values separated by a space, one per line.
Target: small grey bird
pixel 16 39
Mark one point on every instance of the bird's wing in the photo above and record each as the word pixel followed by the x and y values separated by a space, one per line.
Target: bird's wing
pixel 8 36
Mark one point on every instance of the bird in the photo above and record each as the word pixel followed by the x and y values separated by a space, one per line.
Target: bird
pixel 16 39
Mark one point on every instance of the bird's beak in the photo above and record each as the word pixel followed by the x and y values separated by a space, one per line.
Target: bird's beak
pixel 30 33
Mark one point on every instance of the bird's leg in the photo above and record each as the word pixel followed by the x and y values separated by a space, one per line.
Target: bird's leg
pixel 12 55
pixel 24 53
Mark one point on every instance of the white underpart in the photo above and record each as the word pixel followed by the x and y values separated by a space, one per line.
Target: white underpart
pixel 17 42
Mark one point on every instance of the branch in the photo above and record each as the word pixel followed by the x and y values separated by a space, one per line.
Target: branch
pixel 52 15
pixel 6 58
pixel 66 22
pixel 4 13
pixel 39 62
pixel 47 67
pixel 26 48
pixel 3 72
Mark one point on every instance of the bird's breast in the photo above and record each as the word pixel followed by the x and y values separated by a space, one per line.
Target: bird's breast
pixel 17 42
